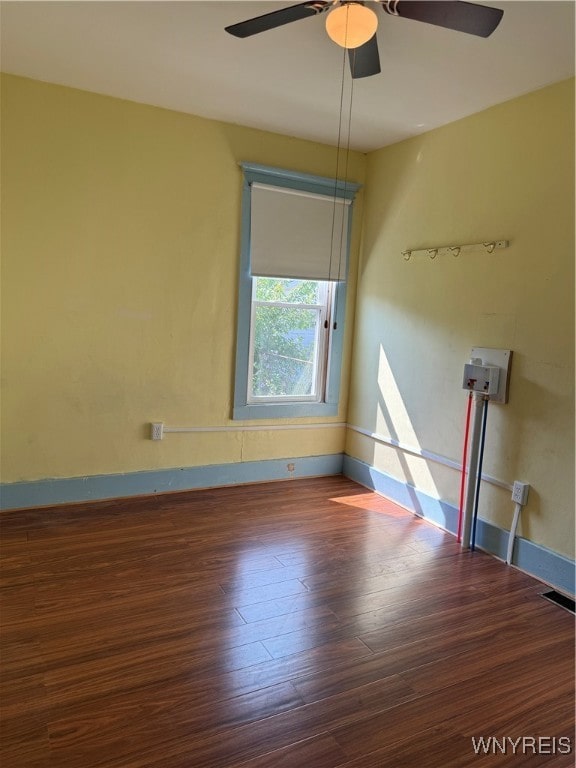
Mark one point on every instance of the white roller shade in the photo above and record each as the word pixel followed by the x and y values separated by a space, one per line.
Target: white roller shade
pixel 297 234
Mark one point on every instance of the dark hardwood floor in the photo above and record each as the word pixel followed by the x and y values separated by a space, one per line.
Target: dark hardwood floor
pixel 302 624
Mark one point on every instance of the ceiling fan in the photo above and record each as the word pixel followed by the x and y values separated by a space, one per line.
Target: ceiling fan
pixel 353 25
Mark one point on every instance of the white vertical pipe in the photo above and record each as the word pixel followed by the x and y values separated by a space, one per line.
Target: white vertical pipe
pixel 517 510
pixel 472 470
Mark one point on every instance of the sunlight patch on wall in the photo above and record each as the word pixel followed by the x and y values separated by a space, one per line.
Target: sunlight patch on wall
pixel 393 421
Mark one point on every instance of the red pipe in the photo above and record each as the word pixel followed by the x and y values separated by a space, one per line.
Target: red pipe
pixel 463 479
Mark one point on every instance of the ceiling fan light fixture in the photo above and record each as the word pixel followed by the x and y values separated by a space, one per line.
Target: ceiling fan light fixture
pixel 351 25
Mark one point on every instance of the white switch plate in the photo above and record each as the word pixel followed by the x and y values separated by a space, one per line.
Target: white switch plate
pixel 501 358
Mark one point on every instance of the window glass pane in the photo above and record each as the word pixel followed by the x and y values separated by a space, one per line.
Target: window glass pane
pixel 287 290
pixel 285 349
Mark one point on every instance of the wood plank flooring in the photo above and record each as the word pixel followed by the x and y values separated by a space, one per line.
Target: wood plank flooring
pixel 303 624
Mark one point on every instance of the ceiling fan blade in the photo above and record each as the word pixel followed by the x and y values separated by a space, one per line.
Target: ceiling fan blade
pixel 277 18
pixel 480 20
pixel 365 60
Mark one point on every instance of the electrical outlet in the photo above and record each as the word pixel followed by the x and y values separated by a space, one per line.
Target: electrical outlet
pixel 520 493
pixel 156 430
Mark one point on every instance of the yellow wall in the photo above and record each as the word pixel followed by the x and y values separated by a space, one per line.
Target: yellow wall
pixel 120 248
pixel 505 173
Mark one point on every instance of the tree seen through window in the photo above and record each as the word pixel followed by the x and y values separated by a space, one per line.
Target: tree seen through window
pixel 287 324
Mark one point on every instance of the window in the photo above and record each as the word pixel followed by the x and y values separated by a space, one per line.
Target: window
pixel 288 340
pixel 292 293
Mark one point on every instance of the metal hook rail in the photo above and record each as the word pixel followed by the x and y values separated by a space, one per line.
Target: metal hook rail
pixel 456 250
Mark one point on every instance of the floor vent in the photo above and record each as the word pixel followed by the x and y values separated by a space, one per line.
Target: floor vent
pixel 559 599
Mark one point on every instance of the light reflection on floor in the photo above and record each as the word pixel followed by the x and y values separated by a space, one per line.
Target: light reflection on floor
pixel 276 596
pixel 278 590
pixel 389 558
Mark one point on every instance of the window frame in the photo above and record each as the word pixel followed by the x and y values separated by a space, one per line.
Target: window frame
pixel 273 409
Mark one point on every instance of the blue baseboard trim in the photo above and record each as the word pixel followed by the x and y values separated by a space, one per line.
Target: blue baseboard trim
pixel 543 563
pixel 44 493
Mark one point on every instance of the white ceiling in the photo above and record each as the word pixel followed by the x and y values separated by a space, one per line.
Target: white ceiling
pixel 288 80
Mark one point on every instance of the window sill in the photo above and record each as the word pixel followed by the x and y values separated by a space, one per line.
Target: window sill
pixel 284 410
